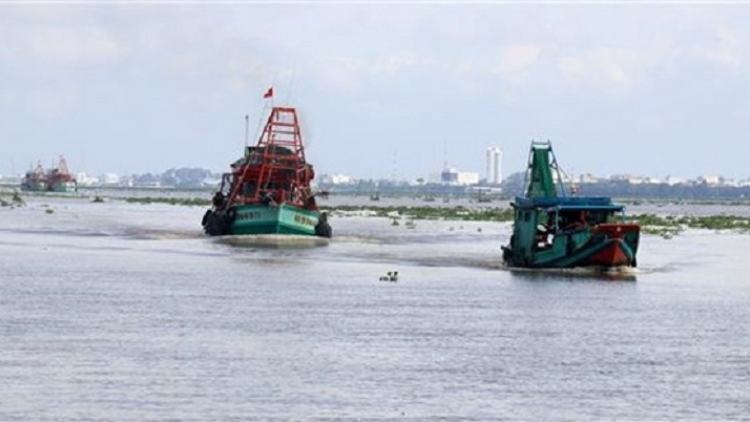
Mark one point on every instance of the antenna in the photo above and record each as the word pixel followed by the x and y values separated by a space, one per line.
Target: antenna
pixel 247 129
pixel 395 166
pixel 445 157
pixel 273 84
pixel 291 84
pixel 260 116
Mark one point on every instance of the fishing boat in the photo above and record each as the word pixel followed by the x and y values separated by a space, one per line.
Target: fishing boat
pixel 56 179
pixel 553 229
pixel 35 180
pixel 268 190
pixel 59 179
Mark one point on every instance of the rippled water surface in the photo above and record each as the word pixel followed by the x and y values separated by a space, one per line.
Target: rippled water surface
pixel 125 312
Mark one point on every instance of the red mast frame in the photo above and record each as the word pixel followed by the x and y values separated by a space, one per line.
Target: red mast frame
pixel 275 170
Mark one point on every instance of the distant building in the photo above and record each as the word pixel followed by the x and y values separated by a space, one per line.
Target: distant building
pixel 84 179
pixel 672 180
pixel 711 179
pixel 434 178
pixel 636 180
pixel 587 178
pixel 110 179
pixel 468 178
pixel 341 179
pixel 451 176
pixel 11 180
pixel 494 169
pixel 335 179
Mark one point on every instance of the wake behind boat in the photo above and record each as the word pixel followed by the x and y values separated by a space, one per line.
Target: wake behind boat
pixel 560 231
pixel 269 190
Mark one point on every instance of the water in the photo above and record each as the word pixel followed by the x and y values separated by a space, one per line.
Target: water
pixel 125 312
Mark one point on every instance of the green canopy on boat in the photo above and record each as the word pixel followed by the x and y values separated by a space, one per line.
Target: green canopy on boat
pixel 541 183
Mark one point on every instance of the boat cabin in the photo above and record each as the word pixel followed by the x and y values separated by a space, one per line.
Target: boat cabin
pixel 539 220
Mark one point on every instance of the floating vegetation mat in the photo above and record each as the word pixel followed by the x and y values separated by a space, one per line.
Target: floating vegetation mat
pixel 429 213
pixel 172 201
pixel 670 225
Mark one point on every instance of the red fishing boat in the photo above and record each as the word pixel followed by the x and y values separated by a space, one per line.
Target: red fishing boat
pixel 59 179
pixel 268 190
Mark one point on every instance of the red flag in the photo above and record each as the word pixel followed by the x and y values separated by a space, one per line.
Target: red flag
pixel 268 93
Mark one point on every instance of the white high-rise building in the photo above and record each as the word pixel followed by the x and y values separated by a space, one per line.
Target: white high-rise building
pixel 494 169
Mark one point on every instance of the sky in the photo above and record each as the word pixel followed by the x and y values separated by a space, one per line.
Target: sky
pixel 395 89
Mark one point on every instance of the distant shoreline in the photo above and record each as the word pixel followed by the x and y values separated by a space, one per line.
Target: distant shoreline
pixel 666 224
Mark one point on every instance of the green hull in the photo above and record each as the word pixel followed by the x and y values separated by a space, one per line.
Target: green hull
pixel 64 187
pixel 34 187
pixel 582 248
pixel 282 219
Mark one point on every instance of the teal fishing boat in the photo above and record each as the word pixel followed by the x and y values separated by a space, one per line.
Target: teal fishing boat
pixel 35 180
pixel 555 229
pixel 269 189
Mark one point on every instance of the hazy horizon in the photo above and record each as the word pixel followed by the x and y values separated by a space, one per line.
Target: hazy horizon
pixel 646 89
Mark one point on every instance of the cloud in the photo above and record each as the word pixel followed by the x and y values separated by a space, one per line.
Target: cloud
pixel 517 58
pixel 725 53
pixel 394 63
pixel 65 45
pixel 56 36
pixel 573 67
pixel 110 62
pixel 613 69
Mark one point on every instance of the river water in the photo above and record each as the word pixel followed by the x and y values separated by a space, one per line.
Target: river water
pixel 126 312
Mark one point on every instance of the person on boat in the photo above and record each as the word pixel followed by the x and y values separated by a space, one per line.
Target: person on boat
pixel 542 236
pixel 579 222
pixel 310 203
pixel 218 200
pixel 323 229
pixel 296 194
pixel 248 189
pixel 266 198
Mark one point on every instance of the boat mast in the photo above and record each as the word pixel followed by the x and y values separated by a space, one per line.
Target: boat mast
pixel 247 130
pixel 539 180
